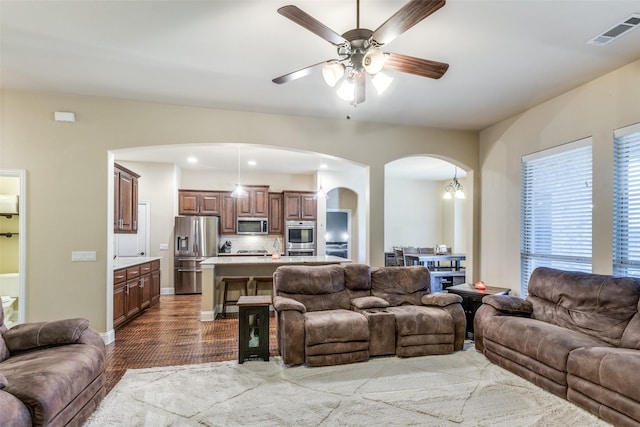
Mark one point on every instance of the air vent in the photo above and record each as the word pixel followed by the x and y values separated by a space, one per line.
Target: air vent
pixel 613 33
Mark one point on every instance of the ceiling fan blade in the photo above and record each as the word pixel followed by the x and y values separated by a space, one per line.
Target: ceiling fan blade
pixel 359 81
pixel 417 66
pixel 310 23
pixel 299 73
pixel 408 16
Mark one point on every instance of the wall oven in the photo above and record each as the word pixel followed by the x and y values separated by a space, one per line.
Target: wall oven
pixel 300 235
pixel 301 252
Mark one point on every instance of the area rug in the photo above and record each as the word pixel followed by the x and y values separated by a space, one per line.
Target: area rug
pixel 460 389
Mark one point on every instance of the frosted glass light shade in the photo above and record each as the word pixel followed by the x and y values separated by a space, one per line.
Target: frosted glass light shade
pixel 332 73
pixel 346 91
pixel 381 82
pixel 373 61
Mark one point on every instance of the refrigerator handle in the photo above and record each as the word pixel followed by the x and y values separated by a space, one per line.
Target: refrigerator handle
pixel 182 243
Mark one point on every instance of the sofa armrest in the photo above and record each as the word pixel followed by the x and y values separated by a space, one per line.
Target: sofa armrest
pixel 363 303
pixel 509 304
pixel 44 334
pixel 284 303
pixel 441 299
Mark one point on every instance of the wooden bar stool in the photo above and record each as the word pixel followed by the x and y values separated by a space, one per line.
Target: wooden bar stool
pixel 266 282
pixel 227 282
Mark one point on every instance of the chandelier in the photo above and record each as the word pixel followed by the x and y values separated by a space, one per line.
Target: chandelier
pixel 454 188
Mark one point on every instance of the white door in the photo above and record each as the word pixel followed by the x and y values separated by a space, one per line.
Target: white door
pixel 135 244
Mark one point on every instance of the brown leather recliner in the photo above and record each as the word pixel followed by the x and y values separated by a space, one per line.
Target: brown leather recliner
pixel 314 322
pixel 51 373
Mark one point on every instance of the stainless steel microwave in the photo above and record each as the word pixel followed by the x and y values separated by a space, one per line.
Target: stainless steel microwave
pixel 252 226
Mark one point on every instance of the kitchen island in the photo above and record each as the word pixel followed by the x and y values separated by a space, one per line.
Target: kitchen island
pixel 214 268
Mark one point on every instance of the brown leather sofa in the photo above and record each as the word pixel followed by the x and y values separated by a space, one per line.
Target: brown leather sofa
pixel 51 373
pixel 576 335
pixel 341 314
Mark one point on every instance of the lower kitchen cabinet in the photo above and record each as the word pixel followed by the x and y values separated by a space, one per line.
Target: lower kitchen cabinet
pixel 135 289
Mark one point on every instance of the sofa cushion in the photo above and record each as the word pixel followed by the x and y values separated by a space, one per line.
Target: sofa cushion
pixel 422 320
pixel 362 303
pixel 400 286
pixel 14 413
pixel 537 340
pixel 334 326
pixel 596 305
pixel 3 381
pixel 43 334
pixel 49 379
pixel 357 279
pixel 441 299
pixel 317 287
pixel 4 351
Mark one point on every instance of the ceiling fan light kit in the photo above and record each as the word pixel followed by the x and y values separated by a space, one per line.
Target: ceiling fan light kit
pixel 359 51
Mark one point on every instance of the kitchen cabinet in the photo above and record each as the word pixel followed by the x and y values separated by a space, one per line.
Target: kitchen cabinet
pixel 199 202
pixel 228 215
pixel 256 204
pixel 276 221
pixel 125 206
pixel 135 289
pixel 300 205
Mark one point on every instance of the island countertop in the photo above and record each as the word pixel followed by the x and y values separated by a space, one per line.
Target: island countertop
pixel 267 260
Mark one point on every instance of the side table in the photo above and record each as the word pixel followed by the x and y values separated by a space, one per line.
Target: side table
pixel 472 299
pixel 253 327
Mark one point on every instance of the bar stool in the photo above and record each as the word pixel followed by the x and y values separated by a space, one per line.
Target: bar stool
pixel 242 282
pixel 264 282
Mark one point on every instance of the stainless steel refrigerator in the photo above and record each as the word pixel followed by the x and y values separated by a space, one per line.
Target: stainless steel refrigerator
pixel 196 238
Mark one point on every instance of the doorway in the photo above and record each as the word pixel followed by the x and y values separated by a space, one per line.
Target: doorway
pixel 13 244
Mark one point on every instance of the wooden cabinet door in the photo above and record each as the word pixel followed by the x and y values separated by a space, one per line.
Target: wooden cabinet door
pixel 276 221
pixel 155 285
pixel 133 297
pixel 145 291
pixel 256 204
pixel 188 202
pixel 119 304
pixel 308 206
pixel 210 203
pixel 228 214
pixel 300 206
pixel 125 189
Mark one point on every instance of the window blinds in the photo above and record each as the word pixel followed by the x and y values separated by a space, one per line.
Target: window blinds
pixel 556 210
pixel 626 202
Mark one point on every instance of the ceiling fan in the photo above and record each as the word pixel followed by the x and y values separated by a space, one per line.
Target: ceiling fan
pixel 360 54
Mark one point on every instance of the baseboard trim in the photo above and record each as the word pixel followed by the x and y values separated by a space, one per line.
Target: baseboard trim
pixel 207 316
pixel 167 291
pixel 108 337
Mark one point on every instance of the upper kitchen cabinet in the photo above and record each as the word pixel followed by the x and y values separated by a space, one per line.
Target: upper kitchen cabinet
pixel 125 206
pixel 199 202
pixel 300 205
pixel 276 221
pixel 228 215
pixel 256 204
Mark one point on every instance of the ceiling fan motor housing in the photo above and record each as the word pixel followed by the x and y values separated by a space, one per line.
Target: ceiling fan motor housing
pixel 359 45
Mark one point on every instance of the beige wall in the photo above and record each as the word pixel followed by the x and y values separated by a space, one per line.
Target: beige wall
pixel 595 109
pixel 70 182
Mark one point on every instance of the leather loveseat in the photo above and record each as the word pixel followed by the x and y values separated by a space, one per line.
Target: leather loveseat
pixel 346 313
pixel 576 335
pixel 51 373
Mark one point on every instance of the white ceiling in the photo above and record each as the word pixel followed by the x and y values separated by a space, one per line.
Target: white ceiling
pixel 505 56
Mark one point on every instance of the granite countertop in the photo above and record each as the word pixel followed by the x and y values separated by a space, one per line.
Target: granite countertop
pixel 284 260
pixel 129 261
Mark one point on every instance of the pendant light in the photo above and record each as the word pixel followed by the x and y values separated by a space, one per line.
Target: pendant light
pixel 238 191
pixel 454 188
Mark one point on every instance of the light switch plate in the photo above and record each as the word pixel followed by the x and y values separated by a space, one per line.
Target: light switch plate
pixel 83 256
pixel 164 247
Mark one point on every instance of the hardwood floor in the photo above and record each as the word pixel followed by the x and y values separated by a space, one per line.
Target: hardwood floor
pixel 171 333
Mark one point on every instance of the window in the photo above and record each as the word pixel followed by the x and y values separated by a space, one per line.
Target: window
pixel 626 201
pixel 556 210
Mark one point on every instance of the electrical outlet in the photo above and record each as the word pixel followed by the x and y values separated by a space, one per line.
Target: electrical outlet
pixel 83 256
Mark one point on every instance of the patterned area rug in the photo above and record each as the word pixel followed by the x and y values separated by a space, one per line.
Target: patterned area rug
pixel 460 389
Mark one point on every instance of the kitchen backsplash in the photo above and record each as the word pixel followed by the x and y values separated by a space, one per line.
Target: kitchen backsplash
pixel 252 243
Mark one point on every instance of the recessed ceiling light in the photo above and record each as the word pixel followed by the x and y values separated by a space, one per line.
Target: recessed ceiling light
pixel 192 160
pixel 323 166
pixel 251 162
